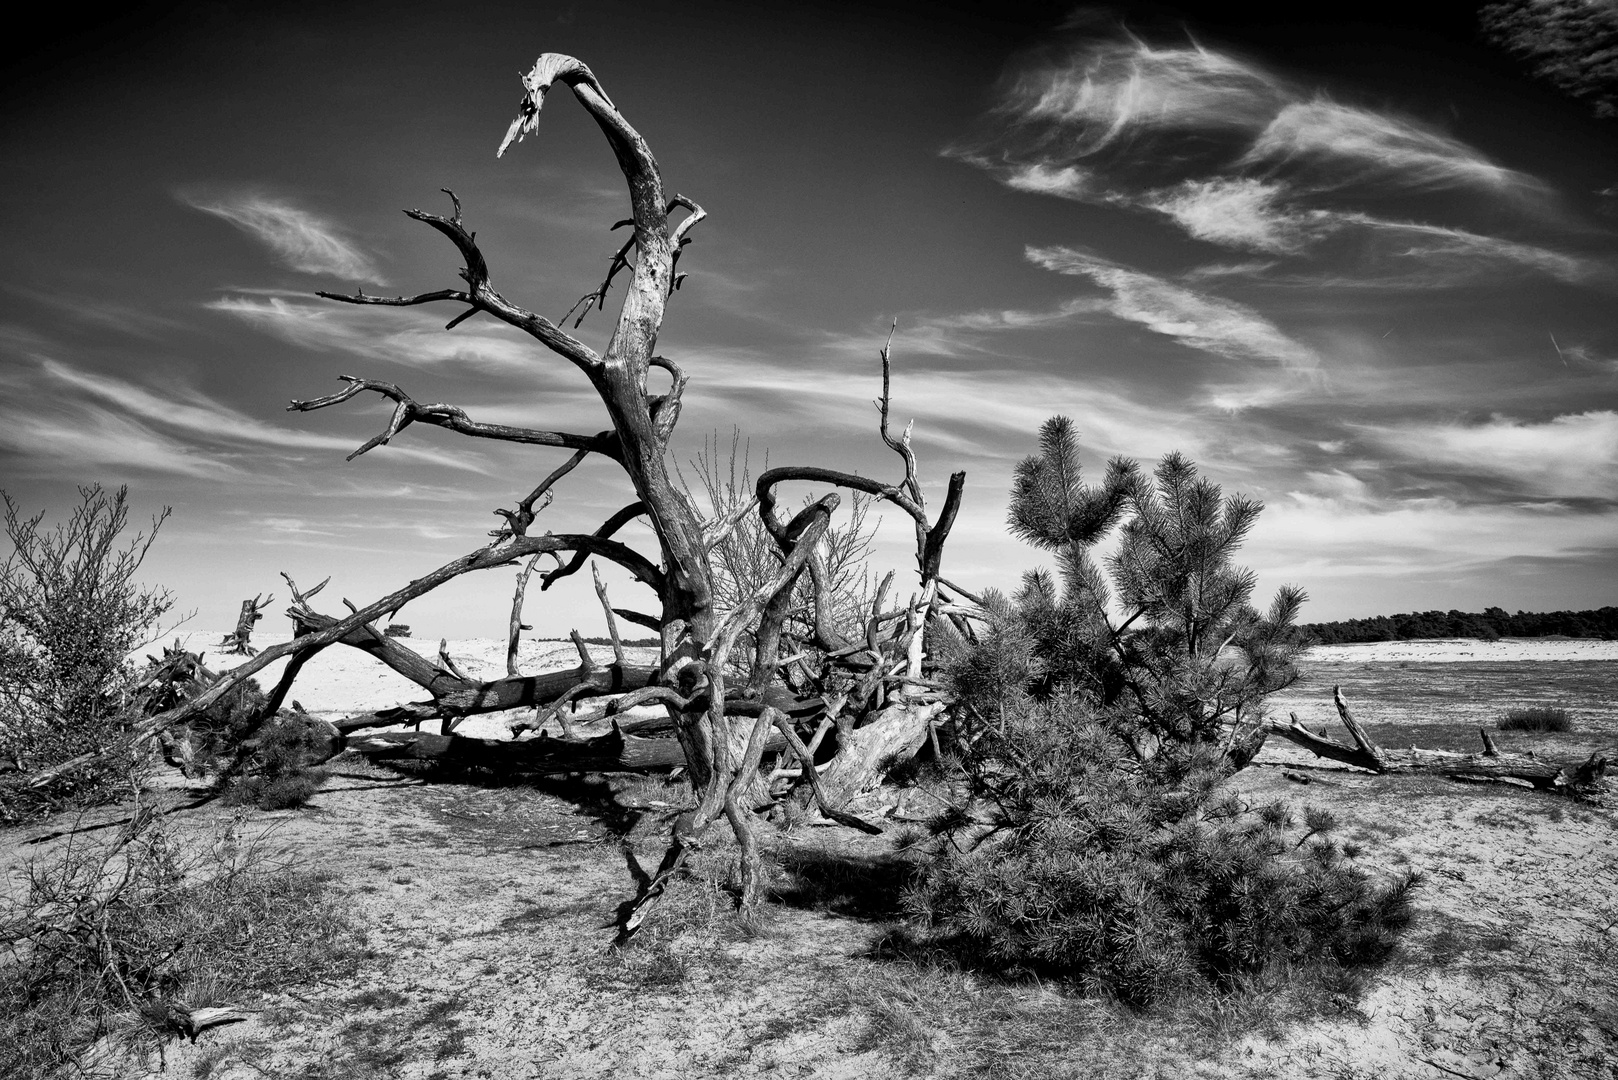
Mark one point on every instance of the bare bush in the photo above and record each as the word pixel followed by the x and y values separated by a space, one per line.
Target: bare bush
pixel 71 613
pixel 143 938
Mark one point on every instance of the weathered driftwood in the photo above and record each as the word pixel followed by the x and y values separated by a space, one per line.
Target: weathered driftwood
pixel 612 752
pixel 866 753
pixel 456 696
pixel 252 611
pixel 1490 764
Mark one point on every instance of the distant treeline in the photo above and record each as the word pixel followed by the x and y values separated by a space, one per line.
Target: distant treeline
pixel 1488 625
pixel 644 642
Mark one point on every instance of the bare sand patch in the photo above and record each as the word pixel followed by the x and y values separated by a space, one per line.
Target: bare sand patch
pixel 1465 650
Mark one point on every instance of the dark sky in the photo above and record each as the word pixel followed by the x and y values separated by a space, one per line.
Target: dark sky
pixel 1360 267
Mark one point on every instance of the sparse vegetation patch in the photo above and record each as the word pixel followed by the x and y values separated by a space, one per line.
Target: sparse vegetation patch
pixel 1537 718
pixel 143 938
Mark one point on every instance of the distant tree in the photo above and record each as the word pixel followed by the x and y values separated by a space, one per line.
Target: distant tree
pixel 1488 625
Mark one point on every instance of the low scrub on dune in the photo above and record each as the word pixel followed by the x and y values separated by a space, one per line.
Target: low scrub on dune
pixel 144 938
pixel 1144 882
pixel 71 612
pixel 1097 838
pixel 1537 718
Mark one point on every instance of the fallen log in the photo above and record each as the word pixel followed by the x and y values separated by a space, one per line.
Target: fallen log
pixel 612 752
pixel 420 712
pixel 463 697
pixel 1572 778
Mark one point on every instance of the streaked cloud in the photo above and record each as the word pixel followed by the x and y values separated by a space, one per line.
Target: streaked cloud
pixel 1194 319
pixel 300 238
pixel 1375 148
pixel 70 443
pixel 415 337
pixel 1569 456
pixel 1470 253
pixel 1237 156
pixel 976 413
pixel 187 410
pixel 1111 90
pixel 1240 213
pixel 74 418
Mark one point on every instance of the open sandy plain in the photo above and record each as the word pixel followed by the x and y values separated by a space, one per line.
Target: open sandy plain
pixel 485 909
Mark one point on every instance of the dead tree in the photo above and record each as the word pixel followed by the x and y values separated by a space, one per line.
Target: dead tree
pixel 252 612
pixel 872 692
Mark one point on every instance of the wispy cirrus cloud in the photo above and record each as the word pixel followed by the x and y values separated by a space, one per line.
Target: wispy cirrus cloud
pixel 183 409
pixel 67 442
pixel 413 337
pixel 59 418
pixel 1202 322
pixel 1243 213
pixel 303 240
pixel 1468 253
pixel 1342 146
pixel 1113 90
pixel 1253 162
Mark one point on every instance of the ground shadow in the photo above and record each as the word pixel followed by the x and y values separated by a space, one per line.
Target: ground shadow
pixel 595 796
pixel 868 886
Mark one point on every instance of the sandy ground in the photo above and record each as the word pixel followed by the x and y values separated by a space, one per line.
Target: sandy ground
pixel 487 906
pixel 1466 650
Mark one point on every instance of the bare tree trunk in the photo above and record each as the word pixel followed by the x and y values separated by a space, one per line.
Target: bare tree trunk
pixel 252 611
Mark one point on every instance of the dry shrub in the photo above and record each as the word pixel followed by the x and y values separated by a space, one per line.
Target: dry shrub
pixel 122 939
pixel 1537 718
pixel 71 612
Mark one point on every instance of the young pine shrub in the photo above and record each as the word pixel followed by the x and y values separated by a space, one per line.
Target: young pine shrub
pixel 1099 747
pixel 1141 881
pixel 278 775
pixel 266 765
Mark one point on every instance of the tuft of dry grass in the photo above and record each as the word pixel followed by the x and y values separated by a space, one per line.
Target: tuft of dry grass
pixel 1537 718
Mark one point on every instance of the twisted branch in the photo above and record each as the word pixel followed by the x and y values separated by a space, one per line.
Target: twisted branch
pixel 480 295
pixel 409 411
